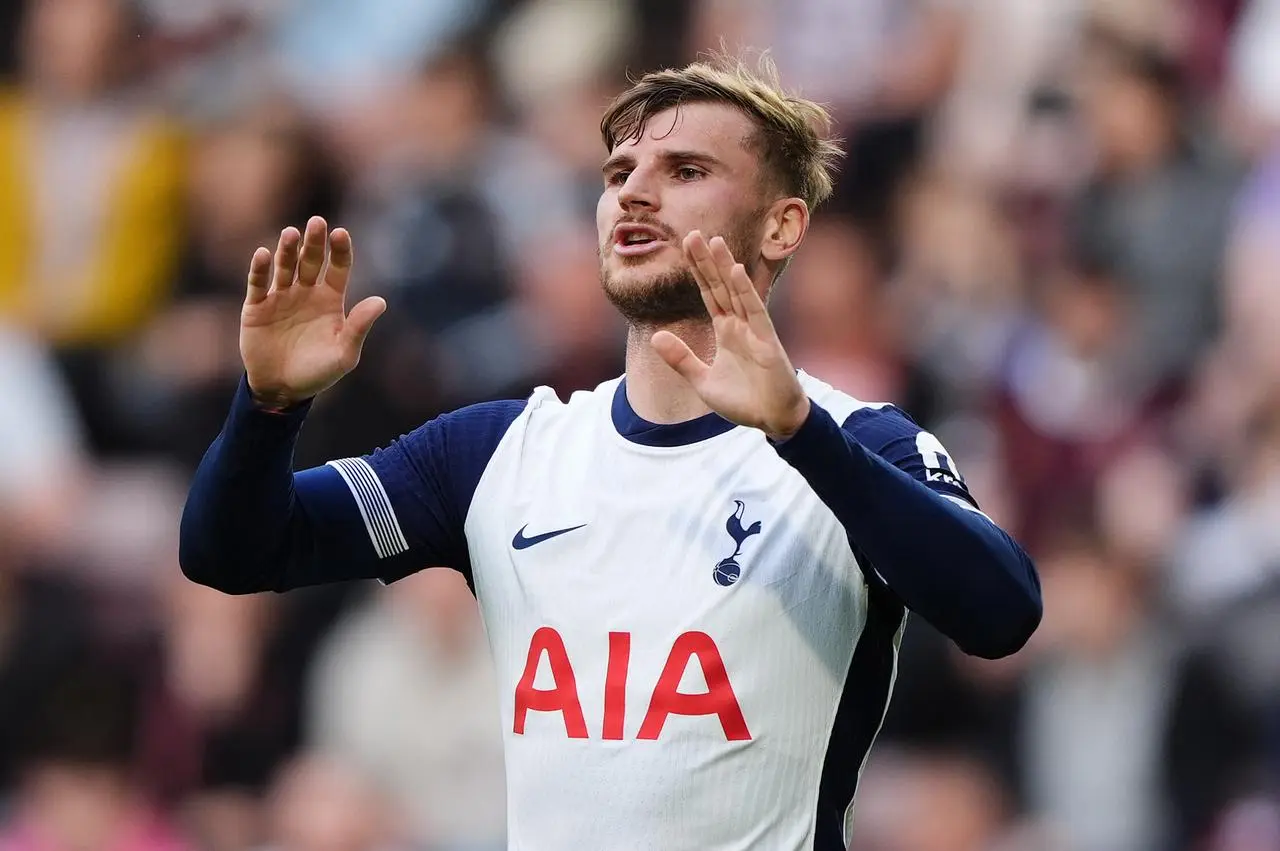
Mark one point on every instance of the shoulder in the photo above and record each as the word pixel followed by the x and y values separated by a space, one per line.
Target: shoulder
pixel 869 422
pixel 465 439
pixel 891 433
pixel 460 440
pixel 548 412
pixel 481 421
pixel 546 401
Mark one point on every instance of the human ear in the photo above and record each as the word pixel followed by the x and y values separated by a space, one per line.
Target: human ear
pixel 785 227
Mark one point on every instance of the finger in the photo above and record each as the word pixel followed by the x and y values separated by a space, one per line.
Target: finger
pixel 708 300
pixel 286 258
pixel 723 258
pixel 679 356
pixel 705 263
pixel 756 314
pixel 314 243
pixel 259 276
pixel 698 255
pixel 359 322
pixel 341 258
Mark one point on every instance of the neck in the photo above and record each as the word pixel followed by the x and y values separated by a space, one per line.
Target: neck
pixel 656 391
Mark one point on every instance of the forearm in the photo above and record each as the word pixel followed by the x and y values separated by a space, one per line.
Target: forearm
pixel 945 561
pixel 250 524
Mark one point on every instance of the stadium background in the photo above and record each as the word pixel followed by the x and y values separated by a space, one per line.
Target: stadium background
pixel 1056 243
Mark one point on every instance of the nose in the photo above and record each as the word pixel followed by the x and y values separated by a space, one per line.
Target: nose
pixel 638 192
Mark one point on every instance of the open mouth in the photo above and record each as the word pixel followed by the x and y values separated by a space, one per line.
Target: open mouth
pixel 633 240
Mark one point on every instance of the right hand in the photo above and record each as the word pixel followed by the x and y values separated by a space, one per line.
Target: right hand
pixel 295 336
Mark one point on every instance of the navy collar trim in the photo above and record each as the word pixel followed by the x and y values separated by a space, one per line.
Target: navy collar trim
pixel 639 430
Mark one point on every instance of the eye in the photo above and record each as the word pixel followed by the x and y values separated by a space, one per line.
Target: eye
pixel 688 173
pixel 617 178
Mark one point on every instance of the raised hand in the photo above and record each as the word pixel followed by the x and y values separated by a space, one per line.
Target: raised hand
pixel 750 381
pixel 296 338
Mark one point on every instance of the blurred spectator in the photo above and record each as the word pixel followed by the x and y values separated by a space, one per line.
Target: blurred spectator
pixel 1012 50
pixel 10 19
pixel 880 65
pixel 1063 409
pixel 1130 740
pixel 1209 28
pixel 254 170
pixel 319 803
pixel 432 239
pixel 577 333
pixel 958 288
pixel 43 460
pixel 220 691
pixel 46 631
pixel 932 801
pixel 334 53
pixel 1232 551
pixel 90 177
pixel 78 791
pixel 405 690
pixel 558 63
pixel 841 325
pixel 1157 210
pixel 1251 825
pixel 1040 248
pixel 1252 113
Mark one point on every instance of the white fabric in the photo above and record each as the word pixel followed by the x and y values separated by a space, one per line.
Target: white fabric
pixel 656 527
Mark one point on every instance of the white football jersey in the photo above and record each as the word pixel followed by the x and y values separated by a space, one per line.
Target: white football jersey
pixel 689 654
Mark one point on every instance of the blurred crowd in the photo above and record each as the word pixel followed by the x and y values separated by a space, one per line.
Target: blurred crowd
pixel 1055 242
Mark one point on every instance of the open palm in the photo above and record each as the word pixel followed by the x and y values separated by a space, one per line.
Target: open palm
pixel 296 338
pixel 750 381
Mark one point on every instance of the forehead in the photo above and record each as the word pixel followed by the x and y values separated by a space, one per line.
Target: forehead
pixel 717 129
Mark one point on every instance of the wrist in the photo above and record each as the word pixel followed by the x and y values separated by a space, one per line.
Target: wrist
pixel 789 425
pixel 272 402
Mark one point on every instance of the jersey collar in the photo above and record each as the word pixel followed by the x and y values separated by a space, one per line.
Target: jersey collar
pixel 637 429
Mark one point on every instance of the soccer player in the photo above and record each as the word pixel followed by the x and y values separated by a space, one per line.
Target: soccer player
pixel 695 577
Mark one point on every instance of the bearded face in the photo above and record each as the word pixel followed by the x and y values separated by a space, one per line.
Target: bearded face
pixel 691 168
pixel 653 289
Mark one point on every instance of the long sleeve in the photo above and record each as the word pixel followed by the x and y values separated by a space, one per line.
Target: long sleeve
pixel 252 524
pixel 913 523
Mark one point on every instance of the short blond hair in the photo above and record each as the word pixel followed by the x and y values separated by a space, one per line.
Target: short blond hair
pixel 793 137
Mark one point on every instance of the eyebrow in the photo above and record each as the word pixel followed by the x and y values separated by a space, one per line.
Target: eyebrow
pixel 623 160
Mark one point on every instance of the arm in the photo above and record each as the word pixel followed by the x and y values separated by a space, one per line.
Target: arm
pixel 921 533
pixel 251 524
pixel 910 517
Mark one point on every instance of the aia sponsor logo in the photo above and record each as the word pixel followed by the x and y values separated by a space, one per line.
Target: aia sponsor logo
pixel 665 698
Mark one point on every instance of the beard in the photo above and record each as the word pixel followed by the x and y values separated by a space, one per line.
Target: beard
pixel 672 295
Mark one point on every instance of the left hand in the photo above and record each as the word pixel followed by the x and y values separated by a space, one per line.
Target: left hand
pixel 750 381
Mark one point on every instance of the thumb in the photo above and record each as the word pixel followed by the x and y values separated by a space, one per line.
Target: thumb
pixel 679 356
pixel 361 319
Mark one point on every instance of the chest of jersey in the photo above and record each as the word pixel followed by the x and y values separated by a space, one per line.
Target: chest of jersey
pixel 637 593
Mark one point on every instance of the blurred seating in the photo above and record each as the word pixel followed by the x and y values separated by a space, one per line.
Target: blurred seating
pixel 1055 242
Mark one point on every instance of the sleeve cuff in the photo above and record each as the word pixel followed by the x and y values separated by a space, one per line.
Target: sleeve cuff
pixel 245 406
pixel 255 427
pixel 813 441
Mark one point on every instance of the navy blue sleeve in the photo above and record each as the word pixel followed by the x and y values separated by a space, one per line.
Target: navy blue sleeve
pixel 252 524
pixel 913 523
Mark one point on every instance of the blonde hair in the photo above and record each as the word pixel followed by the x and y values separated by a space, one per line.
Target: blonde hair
pixel 793 134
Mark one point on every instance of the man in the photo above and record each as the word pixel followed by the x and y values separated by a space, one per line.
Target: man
pixel 694 577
